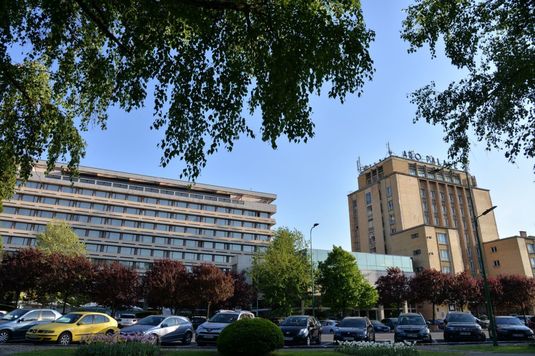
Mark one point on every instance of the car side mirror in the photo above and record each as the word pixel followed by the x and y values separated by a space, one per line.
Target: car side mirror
pixel 164 325
pixel 428 323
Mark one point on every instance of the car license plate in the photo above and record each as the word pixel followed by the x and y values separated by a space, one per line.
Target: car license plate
pixel 288 338
pixel 209 336
pixel 518 335
pixel 464 333
pixel 412 335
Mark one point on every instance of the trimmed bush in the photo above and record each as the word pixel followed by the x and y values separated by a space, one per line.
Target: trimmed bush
pixel 250 337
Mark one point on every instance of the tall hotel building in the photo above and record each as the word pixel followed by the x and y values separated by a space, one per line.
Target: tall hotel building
pixel 417 208
pixel 137 219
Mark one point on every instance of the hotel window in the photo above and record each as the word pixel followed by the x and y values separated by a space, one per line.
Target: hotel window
pixel 220 259
pixel 368 198
pixel 532 260
pixel 493 249
pixel 496 263
pixel 444 255
pixel 143 252
pixel 19 241
pixel 148 200
pixel 414 236
pixel 442 238
pixel 421 171
pixel 417 252
pixel 111 249
pixel 446 269
pixel 177 242
pixel 92 248
pixel 389 191
pixel 390 204
pixel 158 253
pixel 235 247
pixel 114 236
pixel 531 248
pixel 412 169
pixel 392 218
pixel 160 240
pixel 129 237
pixel 93 233
pixel 101 194
pixel 206 257
pixel 146 239
pixel 194 206
pixel 175 255
pixel 190 256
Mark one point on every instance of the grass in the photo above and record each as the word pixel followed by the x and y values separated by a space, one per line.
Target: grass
pixel 459 350
pixel 502 349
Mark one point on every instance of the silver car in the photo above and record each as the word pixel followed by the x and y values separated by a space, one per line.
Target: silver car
pixel 162 329
pixel 208 332
pixel 13 325
pixel 126 320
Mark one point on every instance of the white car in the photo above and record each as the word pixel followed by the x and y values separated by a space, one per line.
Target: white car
pixel 126 320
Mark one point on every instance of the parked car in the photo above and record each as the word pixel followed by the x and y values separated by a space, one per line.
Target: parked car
pixel 328 326
pixel 301 329
pixel 484 322
pixel 412 327
pixel 510 328
pixel 380 327
pixel 125 320
pixel 355 329
pixel 209 331
pixel 197 320
pixel 523 318
pixel 462 326
pixel 15 324
pixel 2 313
pixel 390 322
pixel 531 323
pixel 73 327
pixel 162 329
pixel 438 322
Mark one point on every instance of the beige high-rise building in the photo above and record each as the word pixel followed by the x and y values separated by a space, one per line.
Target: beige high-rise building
pixel 415 207
pixel 136 219
pixel 511 255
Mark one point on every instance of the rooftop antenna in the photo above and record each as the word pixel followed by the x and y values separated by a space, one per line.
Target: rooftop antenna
pixel 388 149
pixel 359 166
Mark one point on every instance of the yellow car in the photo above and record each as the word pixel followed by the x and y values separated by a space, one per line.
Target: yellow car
pixel 73 327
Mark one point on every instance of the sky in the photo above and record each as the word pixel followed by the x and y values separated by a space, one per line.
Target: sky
pixel 312 180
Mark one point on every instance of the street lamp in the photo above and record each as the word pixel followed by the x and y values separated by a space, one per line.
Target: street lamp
pixel 312 268
pixel 488 300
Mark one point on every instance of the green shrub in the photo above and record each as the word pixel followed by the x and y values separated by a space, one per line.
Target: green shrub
pixel 250 337
pixel 118 349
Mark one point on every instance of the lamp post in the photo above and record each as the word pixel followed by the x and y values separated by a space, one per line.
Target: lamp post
pixel 481 258
pixel 312 268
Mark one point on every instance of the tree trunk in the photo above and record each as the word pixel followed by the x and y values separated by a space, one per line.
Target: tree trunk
pixel 64 305
pixel 17 296
pixel 208 310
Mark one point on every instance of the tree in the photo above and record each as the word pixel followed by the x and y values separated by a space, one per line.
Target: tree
pixel 60 238
pixel 462 290
pixel 166 284
pixel 393 288
pixel 210 285
pixel 70 277
pixel 430 286
pixel 115 286
pixel 283 272
pixel 21 271
pixel 368 297
pixel 244 293
pixel 493 42
pixel 341 283
pixel 518 293
pixel 205 60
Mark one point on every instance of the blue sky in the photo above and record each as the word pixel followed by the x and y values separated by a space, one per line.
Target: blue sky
pixel 312 180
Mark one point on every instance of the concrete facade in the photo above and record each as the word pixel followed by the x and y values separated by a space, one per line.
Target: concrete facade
pixel 511 255
pixel 136 219
pixel 400 198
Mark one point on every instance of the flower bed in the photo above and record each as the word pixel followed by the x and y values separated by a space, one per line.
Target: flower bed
pixel 365 348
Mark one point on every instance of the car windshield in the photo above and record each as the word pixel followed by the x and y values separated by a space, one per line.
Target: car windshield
pixel 411 320
pixel 377 322
pixel 509 321
pixel 69 318
pixel 15 314
pixel 225 318
pixel 151 320
pixel 327 323
pixel 295 321
pixel 353 323
pixel 461 318
pixel 128 316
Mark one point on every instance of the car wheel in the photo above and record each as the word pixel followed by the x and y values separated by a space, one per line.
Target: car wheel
pixel 65 338
pixel 482 337
pixel 154 339
pixel 110 333
pixel 4 336
pixel 318 340
pixel 187 338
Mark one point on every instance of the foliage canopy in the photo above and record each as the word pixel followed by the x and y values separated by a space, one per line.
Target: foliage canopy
pixel 283 272
pixel 493 41
pixel 60 238
pixel 206 61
